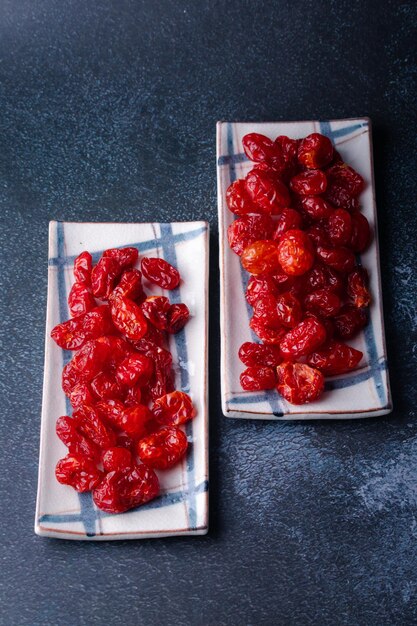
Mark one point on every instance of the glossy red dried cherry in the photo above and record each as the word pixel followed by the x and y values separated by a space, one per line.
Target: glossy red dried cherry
pixel 163 449
pixel 160 272
pixel 299 383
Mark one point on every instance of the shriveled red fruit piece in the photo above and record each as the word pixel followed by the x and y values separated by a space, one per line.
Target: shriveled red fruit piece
pixel 259 287
pixel 340 259
pixel 80 394
pixel 267 193
pixel 91 425
pixel 303 339
pixel 164 448
pixel 322 276
pixel 116 459
pixel 126 257
pixel 130 286
pixel 173 409
pixel 323 302
pixel 339 197
pixel 266 333
pixel 361 233
pixel 155 309
pixel 87 362
pixel 295 252
pixel 357 287
pixel 83 265
pixel 316 207
pixel 104 276
pixel 299 383
pixel 178 315
pixel 248 229
pixel 289 219
pixel 315 151
pixel 335 358
pixel 126 489
pixel 339 227
pixel 78 472
pixel 309 183
pixel 80 300
pixel 69 378
pixel 136 368
pixel 288 310
pixel 288 148
pixel 257 378
pixel 346 177
pixel 135 421
pixel 105 386
pixel 133 396
pixel 257 147
pixel 265 310
pixel 160 272
pixel 128 318
pixel 238 199
pixel 111 412
pixel 261 257
pixel 73 334
pixel 258 354
pixel 115 349
pixel 67 430
pixel 318 235
pixel 349 322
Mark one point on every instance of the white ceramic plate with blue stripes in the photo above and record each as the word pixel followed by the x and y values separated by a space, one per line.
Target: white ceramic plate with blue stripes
pixel 182 507
pixel 362 393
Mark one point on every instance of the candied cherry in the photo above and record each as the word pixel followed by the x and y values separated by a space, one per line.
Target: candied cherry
pixel 339 227
pixel 340 259
pixel 357 287
pixel 248 229
pixel 290 219
pixel 128 318
pixel 163 449
pixel 120 491
pixel 323 302
pixel 361 233
pixel 238 199
pixel 173 409
pixel 315 151
pixel 83 265
pixel 350 321
pixel 295 252
pixel 299 383
pixel 257 354
pixel 267 193
pixel 78 472
pixel 160 272
pixel 259 287
pixel 335 358
pixel 257 378
pixel 316 207
pixel 261 257
pixel 116 459
pixel 303 339
pixel 309 183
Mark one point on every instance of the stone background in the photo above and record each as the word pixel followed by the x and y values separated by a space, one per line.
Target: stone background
pixel 107 112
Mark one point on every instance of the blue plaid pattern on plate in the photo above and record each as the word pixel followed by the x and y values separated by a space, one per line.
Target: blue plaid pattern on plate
pixel 362 393
pixel 182 507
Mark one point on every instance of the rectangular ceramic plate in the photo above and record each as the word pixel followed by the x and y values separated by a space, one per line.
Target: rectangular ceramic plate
pixel 182 508
pixel 362 393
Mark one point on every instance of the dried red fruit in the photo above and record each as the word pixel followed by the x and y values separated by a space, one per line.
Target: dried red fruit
pixel 104 276
pixel 80 300
pixel 322 276
pixel 83 265
pixel 67 430
pixel 73 334
pixel 299 383
pixel 267 193
pixel 133 396
pixel 111 412
pixel 173 409
pixel 323 302
pixel 261 149
pixel 335 358
pixel 295 252
pixel 160 272
pixel 266 333
pixel 346 177
pixel 78 472
pixel 339 197
pixel 357 287
pixel 316 207
pixel 258 378
pixel 91 425
pixel 318 235
pixel 80 394
pixel 130 286
pixel 238 199
pixel 361 233
pixel 106 387
pixel 289 219
pixel 248 229
pixel 128 318
pixel 315 151
pixel 340 259
pixel 121 491
pixel 339 227
pixel 259 287
pixel 125 257
pixel 135 421
pixel 303 339
pixel 258 354
pixel 178 315
pixel 261 257
pixel 309 183
pixel 117 459
pixel 136 368
pixel 155 309
pixel 349 322
pixel 163 449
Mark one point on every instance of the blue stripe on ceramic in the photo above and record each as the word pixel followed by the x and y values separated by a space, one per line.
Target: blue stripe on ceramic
pixel 374 371
pixel 161 502
pixel 88 514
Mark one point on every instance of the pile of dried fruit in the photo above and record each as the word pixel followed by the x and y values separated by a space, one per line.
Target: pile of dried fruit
pixel 298 229
pixel 126 414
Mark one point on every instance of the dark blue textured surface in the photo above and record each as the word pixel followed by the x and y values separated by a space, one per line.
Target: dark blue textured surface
pixel 107 112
